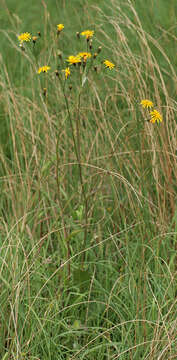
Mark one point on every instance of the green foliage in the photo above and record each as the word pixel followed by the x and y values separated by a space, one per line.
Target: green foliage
pixel 88 185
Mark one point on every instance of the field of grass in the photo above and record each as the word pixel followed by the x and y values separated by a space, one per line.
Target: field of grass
pixel 88 216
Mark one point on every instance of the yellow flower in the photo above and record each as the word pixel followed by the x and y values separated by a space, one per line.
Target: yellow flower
pixel 60 27
pixel 87 33
pixel 43 69
pixel 108 64
pixel 155 116
pixel 84 55
pixel 67 72
pixel 73 59
pixel 24 37
pixel 146 103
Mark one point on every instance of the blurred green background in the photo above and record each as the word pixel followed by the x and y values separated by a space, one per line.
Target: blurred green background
pixel 157 16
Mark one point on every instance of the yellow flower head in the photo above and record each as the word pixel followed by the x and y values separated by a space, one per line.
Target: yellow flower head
pixel 67 72
pixel 60 27
pixel 84 55
pixel 74 59
pixel 43 69
pixel 146 103
pixel 87 33
pixel 24 37
pixel 108 64
pixel 155 116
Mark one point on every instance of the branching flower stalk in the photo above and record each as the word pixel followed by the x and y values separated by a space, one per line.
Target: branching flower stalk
pixel 77 148
pixel 84 61
pixel 57 172
pixel 44 69
pixel 84 194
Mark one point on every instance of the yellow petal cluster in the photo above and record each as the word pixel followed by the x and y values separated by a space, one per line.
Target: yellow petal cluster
pixel 73 59
pixel 84 55
pixel 108 64
pixel 67 72
pixel 155 116
pixel 24 37
pixel 43 69
pixel 60 27
pixel 146 103
pixel 87 33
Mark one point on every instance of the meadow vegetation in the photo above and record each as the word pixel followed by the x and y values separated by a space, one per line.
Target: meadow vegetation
pixel 88 218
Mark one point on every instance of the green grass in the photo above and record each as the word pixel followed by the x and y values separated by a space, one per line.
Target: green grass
pixel 88 218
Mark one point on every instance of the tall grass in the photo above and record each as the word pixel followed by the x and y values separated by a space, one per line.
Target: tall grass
pixel 88 193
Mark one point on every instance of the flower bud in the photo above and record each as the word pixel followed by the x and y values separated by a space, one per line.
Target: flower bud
pixel 90 44
pixel 59 54
pixel 34 38
pixel 44 92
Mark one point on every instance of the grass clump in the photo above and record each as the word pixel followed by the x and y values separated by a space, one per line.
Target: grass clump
pixel 88 187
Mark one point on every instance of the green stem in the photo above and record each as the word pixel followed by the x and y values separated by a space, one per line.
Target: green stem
pixel 78 156
pixel 80 173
